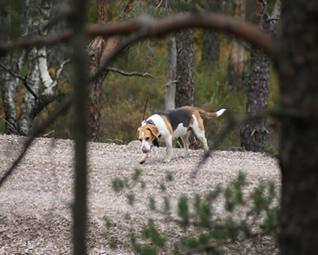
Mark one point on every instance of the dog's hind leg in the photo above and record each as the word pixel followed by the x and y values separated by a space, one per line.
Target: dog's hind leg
pixel 198 130
pixel 185 142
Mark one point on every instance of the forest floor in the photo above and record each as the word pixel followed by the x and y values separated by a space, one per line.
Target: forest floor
pixel 35 202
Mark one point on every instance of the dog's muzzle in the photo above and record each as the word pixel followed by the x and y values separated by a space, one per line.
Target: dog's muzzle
pixel 145 150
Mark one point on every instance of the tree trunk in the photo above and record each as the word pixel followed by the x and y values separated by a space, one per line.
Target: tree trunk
pixel 98 50
pixel 41 81
pixel 10 84
pixel 235 72
pixel 80 129
pixel 254 134
pixel 35 14
pixel 298 69
pixel 95 88
pixel 170 89
pixel 8 93
pixel 185 64
pixel 211 39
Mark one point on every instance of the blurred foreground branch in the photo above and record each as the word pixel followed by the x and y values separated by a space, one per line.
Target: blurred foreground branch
pixel 156 28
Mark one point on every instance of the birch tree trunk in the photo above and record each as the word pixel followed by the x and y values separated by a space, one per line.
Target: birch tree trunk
pixel 10 84
pixel 170 89
pixel 9 89
pixel 38 15
pixel 185 65
pixel 39 88
pixel 235 72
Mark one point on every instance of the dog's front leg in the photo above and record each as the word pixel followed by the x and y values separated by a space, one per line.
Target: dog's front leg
pixel 168 141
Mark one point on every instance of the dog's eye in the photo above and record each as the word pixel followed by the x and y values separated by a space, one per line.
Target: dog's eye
pixel 147 138
pixel 140 139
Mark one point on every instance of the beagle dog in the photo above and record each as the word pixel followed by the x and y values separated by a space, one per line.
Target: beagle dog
pixel 173 124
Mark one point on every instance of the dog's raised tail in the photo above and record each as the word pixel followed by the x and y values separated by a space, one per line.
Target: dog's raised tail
pixel 210 115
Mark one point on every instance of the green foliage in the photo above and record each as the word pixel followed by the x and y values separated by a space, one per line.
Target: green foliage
pixel 183 210
pixel 247 216
pixel 169 176
pixel 152 203
pixel 117 184
pixel 151 233
pixel 233 193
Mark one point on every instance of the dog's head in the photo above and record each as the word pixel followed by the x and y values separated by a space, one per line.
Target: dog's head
pixel 148 134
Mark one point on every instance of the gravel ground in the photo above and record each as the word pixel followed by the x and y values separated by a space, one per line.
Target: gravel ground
pixel 35 202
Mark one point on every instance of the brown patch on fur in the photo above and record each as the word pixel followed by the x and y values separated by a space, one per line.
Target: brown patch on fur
pixel 167 123
pixel 208 115
pixel 199 119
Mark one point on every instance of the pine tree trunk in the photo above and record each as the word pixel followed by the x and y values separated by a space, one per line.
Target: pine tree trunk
pixel 298 69
pixel 210 39
pixel 235 72
pixel 185 65
pixel 95 88
pixel 254 134
pixel 98 50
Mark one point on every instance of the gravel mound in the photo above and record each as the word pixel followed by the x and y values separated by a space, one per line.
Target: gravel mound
pixel 35 202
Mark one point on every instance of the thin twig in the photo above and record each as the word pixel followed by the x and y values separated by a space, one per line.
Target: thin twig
pixel 145 108
pixel 67 103
pixel 229 126
pixel 232 122
pixel 24 80
pixel 116 52
pixel 125 73
pixel 63 108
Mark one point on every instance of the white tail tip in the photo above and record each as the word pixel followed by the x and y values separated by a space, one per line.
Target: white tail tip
pixel 220 112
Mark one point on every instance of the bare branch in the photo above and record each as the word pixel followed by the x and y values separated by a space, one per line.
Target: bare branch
pixel 231 123
pixel 124 73
pixel 60 70
pixel 36 132
pixel 157 27
pixel 24 79
pixel 67 103
pixel 115 53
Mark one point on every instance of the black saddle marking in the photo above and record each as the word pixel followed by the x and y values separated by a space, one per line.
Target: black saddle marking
pixel 181 115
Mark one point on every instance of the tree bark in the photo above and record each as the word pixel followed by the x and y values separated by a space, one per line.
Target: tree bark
pixel 211 39
pixel 10 84
pixel 298 68
pixel 170 89
pixel 36 13
pixel 98 50
pixel 9 90
pixel 254 134
pixel 235 72
pixel 184 71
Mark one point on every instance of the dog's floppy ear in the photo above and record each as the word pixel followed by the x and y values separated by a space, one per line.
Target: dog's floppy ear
pixel 154 130
pixel 138 132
